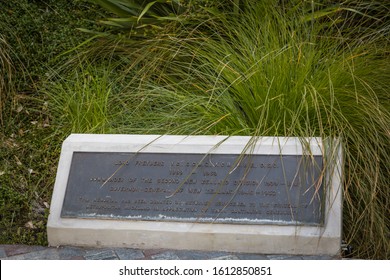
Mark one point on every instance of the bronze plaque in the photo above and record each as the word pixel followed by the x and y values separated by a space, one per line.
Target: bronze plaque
pixel 212 188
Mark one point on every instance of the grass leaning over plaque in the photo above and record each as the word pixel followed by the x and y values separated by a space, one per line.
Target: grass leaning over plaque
pixel 279 76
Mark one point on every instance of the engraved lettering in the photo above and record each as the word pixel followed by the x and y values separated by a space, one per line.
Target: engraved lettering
pixel 191 182
pixel 284 205
pixel 267 193
pixel 280 212
pixel 271 184
pixel 83 199
pixel 121 162
pixel 104 200
pixel 157 190
pixel 246 182
pixel 209 173
pixel 195 202
pixel 105 180
pixel 124 189
pixel 147 180
pixel 168 181
pixel 189 187
pixel 215 182
pixel 175 172
pixel 149 163
pixel 166 202
pixel 190 190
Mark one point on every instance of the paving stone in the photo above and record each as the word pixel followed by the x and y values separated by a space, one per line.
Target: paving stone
pixel 129 254
pixel 77 258
pixel 168 255
pixel 152 252
pixel 284 257
pixel 319 257
pixel 2 253
pixel 48 254
pixel 100 254
pixel 198 255
pixel 12 250
pixel 227 257
pixel 252 257
pixel 71 253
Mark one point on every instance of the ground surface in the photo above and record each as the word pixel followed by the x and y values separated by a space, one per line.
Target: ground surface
pixel 23 252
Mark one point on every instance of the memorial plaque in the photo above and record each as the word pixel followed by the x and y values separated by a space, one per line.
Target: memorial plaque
pixel 219 188
pixel 270 195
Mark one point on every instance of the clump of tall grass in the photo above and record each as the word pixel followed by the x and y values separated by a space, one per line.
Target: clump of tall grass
pixel 81 101
pixel 273 71
pixel 6 78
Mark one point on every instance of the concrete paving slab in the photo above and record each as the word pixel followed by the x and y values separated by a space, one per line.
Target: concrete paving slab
pixel 48 254
pixel 284 257
pixel 321 257
pixel 12 250
pixel 198 255
pixel 252 257
pixel 71 253
pixel 129 254
pixel 169 255
pixel 2 253
pixel 101 254
pixel 227 257
pixel 151 252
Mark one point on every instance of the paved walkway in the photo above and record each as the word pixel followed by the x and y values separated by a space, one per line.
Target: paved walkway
pixel 24 252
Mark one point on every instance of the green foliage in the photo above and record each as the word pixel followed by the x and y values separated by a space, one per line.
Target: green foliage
pixel 138 8
pixel 278 71
pixel 6 79
pixel 82 102
pixel 32 36
pixel 134 15
pixel 27 165
pixel 38 31
pixel 140 19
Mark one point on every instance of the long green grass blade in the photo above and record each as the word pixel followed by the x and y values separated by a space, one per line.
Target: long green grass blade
pixel 118 7
pixel 145 10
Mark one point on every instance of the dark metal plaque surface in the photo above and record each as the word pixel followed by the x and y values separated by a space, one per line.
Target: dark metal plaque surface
pixel 220 188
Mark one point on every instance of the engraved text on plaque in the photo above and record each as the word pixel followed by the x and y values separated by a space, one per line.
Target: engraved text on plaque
pixel 222 188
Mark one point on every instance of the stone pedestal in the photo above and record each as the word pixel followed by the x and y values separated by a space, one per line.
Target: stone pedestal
pixel 266 195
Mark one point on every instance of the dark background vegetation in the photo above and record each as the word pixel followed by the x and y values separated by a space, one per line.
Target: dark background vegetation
pixel 35 34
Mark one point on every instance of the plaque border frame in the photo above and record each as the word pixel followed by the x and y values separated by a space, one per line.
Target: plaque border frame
pixel 266 239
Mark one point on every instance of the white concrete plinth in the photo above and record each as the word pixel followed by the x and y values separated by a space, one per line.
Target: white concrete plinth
pixel 251 238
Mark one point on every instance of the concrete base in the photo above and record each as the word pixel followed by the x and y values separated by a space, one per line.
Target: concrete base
pixel 265 239
pixel 182 236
